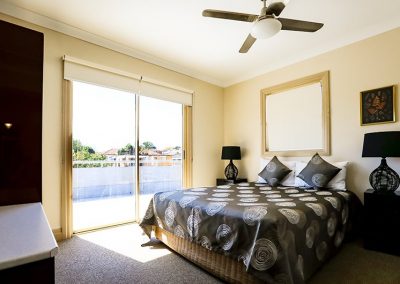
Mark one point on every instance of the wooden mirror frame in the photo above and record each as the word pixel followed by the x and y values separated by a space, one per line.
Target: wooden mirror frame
pixel 323 79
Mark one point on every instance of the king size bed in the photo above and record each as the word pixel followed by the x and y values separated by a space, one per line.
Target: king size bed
pixel 251 232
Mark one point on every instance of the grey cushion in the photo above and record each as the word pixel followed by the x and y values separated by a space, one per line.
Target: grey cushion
pixel 274 172
pixel 318 172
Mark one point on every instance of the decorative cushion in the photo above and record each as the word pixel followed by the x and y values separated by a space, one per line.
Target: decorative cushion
pixel 288 180
pixel 274 172
pixel 318 172
pixel 338 182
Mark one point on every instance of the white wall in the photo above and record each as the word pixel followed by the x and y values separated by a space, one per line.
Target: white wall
pixel 368 64
pixel 207 110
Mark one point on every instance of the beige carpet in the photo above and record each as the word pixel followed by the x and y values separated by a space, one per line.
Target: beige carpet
pixel 354 264
pixel 115 256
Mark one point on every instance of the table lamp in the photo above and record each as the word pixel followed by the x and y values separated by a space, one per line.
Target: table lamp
pixel 231 153
pixel 383 144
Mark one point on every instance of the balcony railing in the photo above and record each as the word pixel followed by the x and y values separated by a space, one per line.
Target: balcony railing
pixel 143 161
pixel 105 179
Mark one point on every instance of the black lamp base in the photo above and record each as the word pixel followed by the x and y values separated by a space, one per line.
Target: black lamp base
pixel 231 171
pixel 384 178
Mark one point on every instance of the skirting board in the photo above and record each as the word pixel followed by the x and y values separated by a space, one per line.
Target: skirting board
pixel 57 234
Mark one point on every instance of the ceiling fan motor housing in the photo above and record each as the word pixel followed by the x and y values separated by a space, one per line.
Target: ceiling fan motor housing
pixel 266 28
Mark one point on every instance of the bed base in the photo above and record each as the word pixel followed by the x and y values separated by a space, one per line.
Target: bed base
pixel 217 264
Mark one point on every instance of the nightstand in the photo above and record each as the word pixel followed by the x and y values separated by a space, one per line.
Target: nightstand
pixel 221 181
pixel 381 224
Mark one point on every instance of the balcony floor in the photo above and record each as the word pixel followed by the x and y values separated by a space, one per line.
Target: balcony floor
pixel 93 213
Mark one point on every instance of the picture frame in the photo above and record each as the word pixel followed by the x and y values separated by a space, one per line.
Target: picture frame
pixel 378 105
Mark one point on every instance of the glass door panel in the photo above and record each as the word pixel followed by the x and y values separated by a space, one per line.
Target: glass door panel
pixel 160 150
pixel 103 171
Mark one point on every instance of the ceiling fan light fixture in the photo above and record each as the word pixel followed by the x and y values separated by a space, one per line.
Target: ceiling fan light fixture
pixel 266 28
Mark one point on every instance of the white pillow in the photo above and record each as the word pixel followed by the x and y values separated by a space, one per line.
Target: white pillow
pixel 299 167
pixel 289 180
pixel 337 183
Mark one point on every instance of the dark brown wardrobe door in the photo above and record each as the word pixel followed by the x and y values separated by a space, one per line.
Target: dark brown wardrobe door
pixel 21 81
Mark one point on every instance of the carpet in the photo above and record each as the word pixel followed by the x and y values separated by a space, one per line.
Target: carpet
pixel 116 256
pixel 354 264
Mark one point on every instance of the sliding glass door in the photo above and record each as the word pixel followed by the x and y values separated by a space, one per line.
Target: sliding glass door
pixel 160 149
pixel 104 156
pixel 103 174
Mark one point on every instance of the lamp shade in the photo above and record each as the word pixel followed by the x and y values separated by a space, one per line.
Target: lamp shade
pixel 381 144
pixel 231 153
pixel 266 28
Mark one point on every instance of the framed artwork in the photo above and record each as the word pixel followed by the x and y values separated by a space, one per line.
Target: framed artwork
pixel 378 106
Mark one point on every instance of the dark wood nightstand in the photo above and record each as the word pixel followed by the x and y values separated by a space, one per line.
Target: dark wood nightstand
pixel 381 225
pixel 221 181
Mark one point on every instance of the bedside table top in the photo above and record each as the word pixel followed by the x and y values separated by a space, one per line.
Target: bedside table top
pixel 222 181
pixel 234 180
pixel 371 191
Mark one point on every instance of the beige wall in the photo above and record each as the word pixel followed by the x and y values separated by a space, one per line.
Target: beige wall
pixel 364 65
pixel 232 116
pixel 207 110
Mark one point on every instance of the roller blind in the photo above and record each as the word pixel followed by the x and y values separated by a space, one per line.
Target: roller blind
pixel 88 72
pixel 84 71
pixel 160 90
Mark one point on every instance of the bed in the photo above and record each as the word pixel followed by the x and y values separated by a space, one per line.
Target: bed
pixel 250 232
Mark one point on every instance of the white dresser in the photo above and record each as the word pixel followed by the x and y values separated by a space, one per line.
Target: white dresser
pixel 27 244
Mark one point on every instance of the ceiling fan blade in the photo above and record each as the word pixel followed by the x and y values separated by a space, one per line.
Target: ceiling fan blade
pixel 275 8
pixel 300 26
pixel 230 15
pixel 250 40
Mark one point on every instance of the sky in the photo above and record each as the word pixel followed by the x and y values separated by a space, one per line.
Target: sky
pixel 104 118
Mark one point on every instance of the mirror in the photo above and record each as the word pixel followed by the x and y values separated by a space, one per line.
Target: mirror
pixel 295 117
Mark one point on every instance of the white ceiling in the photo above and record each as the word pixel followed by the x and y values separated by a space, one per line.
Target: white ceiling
pixel 174 34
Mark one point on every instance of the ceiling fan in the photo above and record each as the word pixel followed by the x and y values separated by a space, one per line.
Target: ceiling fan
pixel 266 24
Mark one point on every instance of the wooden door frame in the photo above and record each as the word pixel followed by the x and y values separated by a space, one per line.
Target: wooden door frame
pixel 66 174
pixel 66 167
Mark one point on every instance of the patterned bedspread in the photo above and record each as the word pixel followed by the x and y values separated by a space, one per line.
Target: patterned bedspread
pixel 281 234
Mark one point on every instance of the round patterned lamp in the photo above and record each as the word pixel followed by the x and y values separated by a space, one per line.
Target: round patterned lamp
pixel 383 144
pixel 231 153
